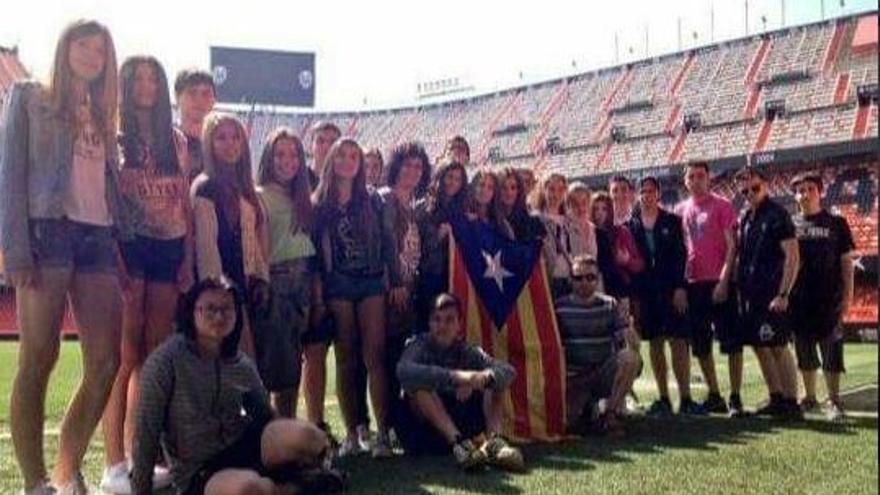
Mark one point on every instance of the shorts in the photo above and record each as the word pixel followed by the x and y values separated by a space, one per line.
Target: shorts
pixel 350 288
pixel 762 327
pixel 323 333
pixel 245 453
pixel 815 321
pixel 67 244
pixel 655 317
pixel 584 388
pixel 153 260
pixel 808 357
pixel 277 333
pixel 419 437
pixel 705 318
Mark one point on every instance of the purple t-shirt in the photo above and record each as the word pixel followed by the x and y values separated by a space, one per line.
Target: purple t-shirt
pixel 704 224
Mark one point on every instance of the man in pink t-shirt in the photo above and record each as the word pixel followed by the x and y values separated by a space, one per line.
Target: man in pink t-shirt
pixel 710 235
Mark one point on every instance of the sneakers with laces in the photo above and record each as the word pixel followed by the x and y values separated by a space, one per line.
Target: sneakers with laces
pixel 382 446
pixel 660 408
pixel 715 404
pixel 468 456
pixel 502 455
pixel 834 411
pixel 41 488
pixel 76 486
pixel 688 407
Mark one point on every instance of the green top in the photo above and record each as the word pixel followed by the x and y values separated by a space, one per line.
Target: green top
pixel 285 244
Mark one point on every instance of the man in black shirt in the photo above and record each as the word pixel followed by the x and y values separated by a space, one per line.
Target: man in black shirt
pixel 659 295
pixel 822 293
pixel 767 266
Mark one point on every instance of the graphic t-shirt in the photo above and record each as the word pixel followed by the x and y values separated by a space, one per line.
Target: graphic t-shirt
pixel 823 239
pixel 159 201
pixel 86 199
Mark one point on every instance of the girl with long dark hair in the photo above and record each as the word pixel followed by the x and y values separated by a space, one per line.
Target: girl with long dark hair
pixel 284 192
pixel 158 259
pixel 358 264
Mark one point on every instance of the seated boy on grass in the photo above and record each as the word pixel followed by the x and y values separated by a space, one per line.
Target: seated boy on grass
pixel 455 395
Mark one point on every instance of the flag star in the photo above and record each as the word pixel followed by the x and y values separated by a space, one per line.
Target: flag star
pixel 495 270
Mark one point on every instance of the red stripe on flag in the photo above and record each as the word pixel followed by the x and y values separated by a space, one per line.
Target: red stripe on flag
pixel 551 352
pixel 516 353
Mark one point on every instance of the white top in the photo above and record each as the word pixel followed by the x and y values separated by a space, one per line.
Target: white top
pixel 86 200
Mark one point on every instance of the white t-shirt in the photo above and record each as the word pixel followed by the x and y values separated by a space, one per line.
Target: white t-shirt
pixel 86 200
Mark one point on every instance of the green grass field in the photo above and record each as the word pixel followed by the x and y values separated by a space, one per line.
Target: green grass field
pixel 700 455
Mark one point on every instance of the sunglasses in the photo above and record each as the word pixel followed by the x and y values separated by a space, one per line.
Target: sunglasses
pixel 590 277
pixel 755 189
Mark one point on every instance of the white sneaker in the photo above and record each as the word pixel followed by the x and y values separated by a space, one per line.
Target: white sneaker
pixel 363 438
pixel 161 477
pixel 42 488
pixel 76 486
pixel 115 480
pixel 833 412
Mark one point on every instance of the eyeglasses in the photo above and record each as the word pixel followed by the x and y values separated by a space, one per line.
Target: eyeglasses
pixel 755 189
pixel 589 277
pixel 211 310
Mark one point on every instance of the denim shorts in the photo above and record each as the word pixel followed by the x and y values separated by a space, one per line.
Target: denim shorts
pixel 62 243
pixel 351 288
pixel 153 260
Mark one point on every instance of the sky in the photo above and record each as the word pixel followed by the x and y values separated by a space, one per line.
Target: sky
pixel 372 54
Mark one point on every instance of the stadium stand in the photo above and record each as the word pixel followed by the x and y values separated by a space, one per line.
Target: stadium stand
pixel 792 98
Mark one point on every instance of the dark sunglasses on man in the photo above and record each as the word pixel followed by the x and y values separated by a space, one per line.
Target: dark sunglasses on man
pixel 589 277
pixel 753 189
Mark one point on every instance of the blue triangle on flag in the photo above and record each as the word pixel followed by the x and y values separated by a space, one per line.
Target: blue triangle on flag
pixel 497 267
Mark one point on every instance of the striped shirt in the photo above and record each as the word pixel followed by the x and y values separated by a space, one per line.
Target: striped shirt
pixel 592 330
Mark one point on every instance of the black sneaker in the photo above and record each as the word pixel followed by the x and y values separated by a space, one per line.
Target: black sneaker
pixel 715 404
pixel 735 406
pixel 688 407
pixel 660 408
pixel 791 410
pixel 810 405
pixel 775 407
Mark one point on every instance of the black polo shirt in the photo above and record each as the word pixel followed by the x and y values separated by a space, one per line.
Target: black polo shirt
pixel 823 239
pixel 761 257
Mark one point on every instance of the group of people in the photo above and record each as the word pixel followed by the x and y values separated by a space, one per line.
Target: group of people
pixel 207 290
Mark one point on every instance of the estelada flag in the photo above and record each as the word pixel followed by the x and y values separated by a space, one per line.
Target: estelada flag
pixel 508 311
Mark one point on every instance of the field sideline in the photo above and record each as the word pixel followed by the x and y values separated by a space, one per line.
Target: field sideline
pixel 703 455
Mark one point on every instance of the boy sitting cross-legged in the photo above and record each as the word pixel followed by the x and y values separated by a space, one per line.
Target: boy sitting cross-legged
pixel 455 394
